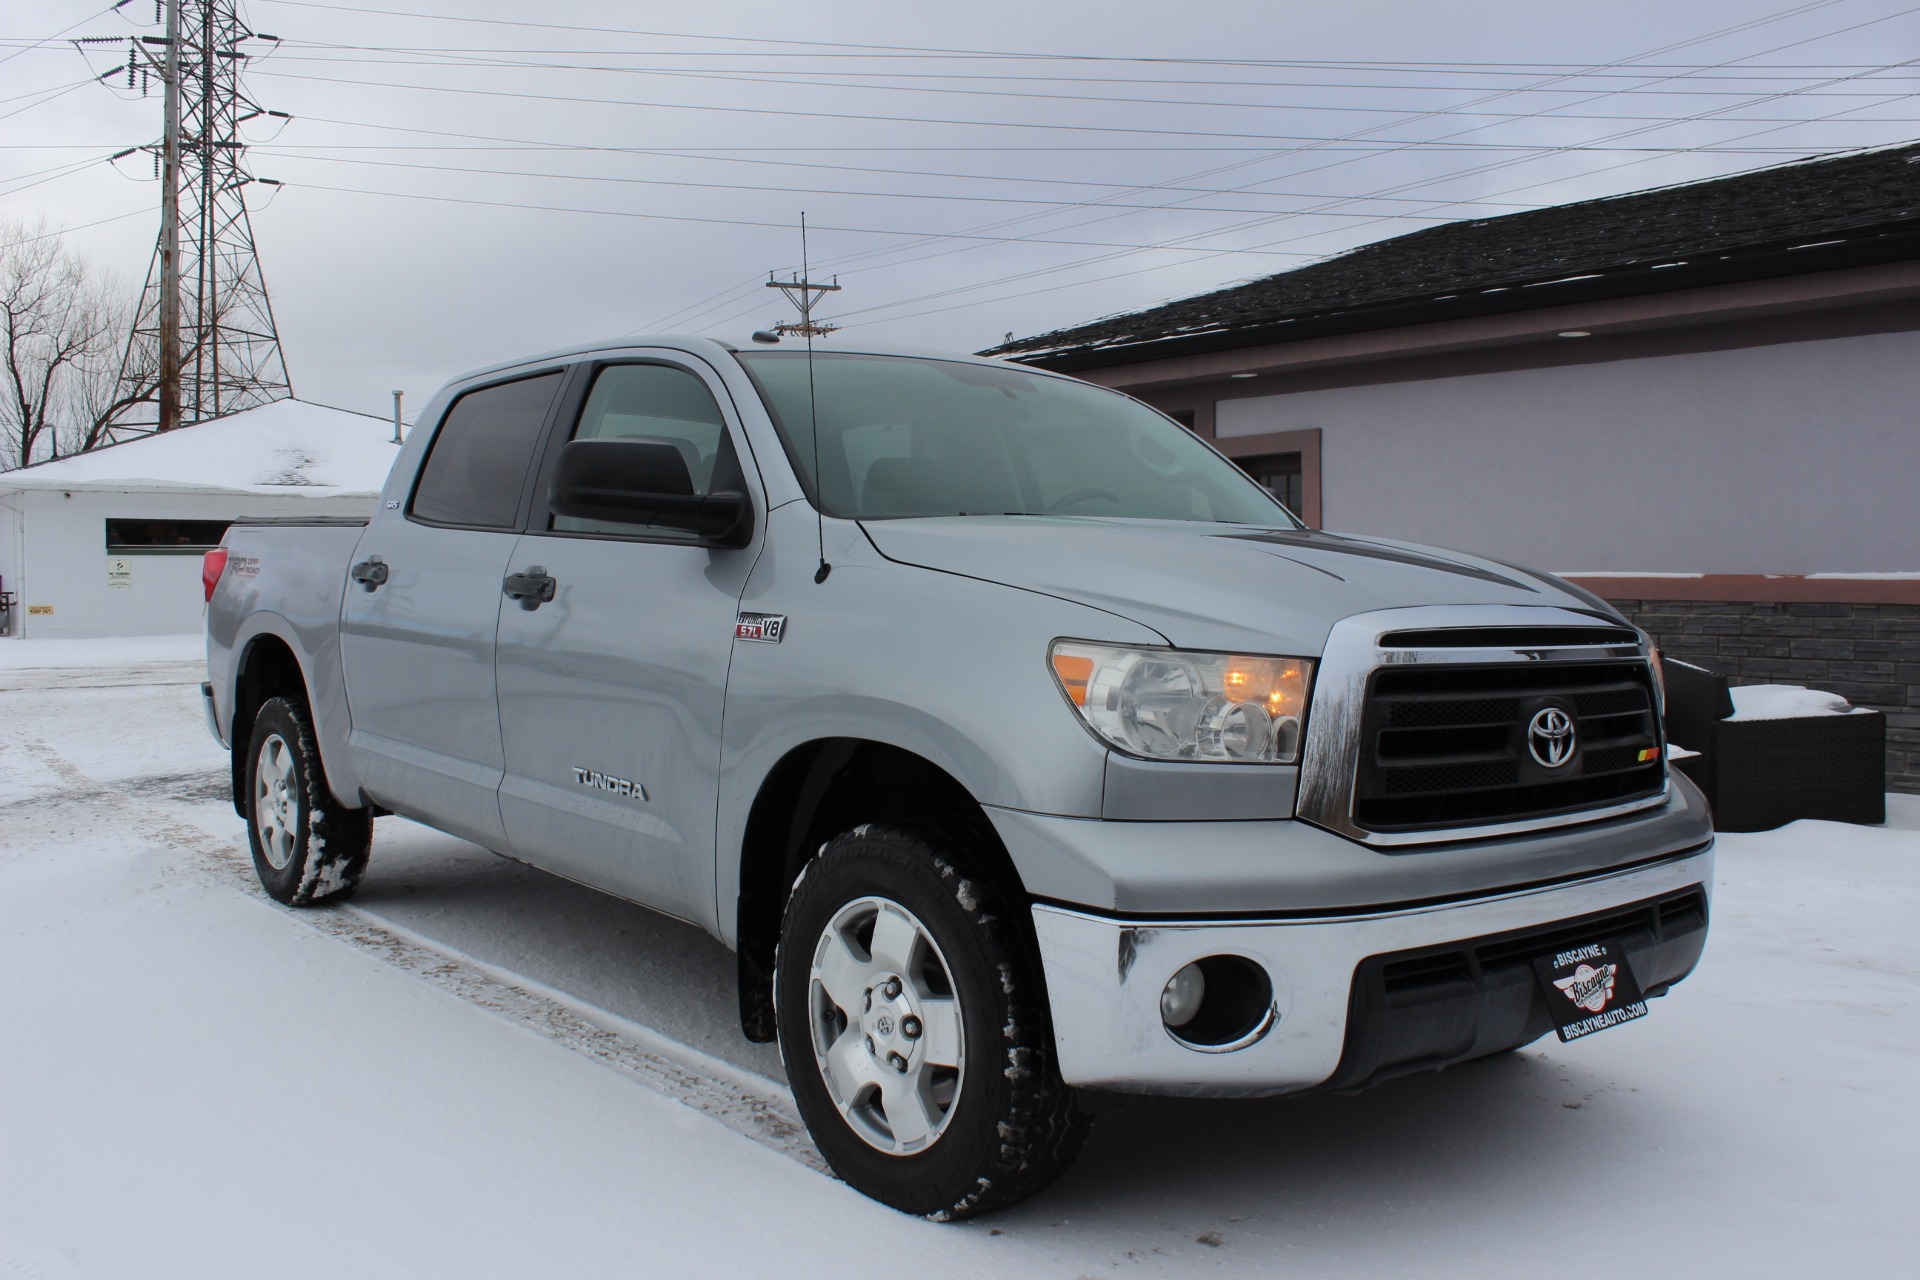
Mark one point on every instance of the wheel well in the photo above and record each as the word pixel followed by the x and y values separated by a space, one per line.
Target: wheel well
pixel 817 791
pixel 267 670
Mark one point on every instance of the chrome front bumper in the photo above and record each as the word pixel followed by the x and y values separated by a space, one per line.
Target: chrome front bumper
pixel 1105 976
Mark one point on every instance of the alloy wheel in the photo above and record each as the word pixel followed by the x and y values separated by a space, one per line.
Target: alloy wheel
pixel 886 1029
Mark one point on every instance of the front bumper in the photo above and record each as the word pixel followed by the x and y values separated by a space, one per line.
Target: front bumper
pixel 1409 1009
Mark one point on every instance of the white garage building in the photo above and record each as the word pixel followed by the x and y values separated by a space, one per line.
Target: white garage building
pixel 109 543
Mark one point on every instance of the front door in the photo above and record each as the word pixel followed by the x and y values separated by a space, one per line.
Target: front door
pixel 611 691
pixel 417 629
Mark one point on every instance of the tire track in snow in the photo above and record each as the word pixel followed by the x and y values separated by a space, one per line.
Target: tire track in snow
pixel 752 1107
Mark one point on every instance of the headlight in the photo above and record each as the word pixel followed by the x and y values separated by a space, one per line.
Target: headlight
pixel 1166 704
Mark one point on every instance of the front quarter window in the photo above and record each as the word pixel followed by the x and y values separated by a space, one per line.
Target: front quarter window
pixel 902 436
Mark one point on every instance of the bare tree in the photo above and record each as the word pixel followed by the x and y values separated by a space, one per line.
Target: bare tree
pixel 62 330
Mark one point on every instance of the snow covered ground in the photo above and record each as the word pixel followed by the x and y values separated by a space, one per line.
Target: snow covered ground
pixel 478 1070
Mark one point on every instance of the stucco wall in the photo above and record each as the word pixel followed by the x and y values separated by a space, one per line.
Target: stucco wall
pixel 1791 458
pixel 53 552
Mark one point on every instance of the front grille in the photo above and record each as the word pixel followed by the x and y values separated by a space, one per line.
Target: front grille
pixel 1445 745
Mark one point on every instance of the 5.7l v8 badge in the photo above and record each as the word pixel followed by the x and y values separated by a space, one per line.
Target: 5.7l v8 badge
pixel 766 628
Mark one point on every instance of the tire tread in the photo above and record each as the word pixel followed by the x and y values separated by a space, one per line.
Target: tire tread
pixel 332 858
pixel 1041 1127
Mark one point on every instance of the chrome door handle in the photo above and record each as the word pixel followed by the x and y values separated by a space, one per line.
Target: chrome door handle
pixel 532 589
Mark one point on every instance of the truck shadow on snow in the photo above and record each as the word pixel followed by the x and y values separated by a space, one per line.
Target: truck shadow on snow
pixel 1504 1129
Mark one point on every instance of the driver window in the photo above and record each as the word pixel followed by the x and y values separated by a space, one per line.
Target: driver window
pixel 657 403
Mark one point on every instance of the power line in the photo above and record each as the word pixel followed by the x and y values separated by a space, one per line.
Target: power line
pixel 897 50
pixel 45 40
pixel 446 54
pixel 51 95
pixel 98 222
pixel 1516 91
pixel 741 222
pixel 1453 176
pixel 744 77
pixel 684 153
pixel 44 176
pixel 897 119
pixel 821 191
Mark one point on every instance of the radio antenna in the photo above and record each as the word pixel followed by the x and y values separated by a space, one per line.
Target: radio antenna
pixel 802 293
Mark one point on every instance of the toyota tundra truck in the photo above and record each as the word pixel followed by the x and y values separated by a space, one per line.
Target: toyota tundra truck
pixel 1024 750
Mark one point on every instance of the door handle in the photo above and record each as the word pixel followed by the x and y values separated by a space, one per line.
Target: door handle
pixel 532 589
pixel 370 572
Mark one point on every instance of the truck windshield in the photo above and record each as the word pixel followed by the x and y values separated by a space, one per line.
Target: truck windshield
pixel 903 436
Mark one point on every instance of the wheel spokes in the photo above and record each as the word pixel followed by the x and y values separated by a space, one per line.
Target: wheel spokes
pixel 906 1108
pixel 895 939
pixel 842 974
pixel 940 1031
pixel 848 1066
pixel 886 1030
pixel 276 801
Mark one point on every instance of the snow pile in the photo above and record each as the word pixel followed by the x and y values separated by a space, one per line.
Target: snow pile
pixel 1785 702
pixel 289 446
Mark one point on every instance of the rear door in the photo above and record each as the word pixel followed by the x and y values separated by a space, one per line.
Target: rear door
pixel 611 691
pixel 417 628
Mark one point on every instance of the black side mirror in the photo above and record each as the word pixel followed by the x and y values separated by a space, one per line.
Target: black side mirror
pixel 645 482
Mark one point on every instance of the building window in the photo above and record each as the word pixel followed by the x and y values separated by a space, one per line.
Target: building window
pixel 1281 474
pixel 164 537
pixel 1185 417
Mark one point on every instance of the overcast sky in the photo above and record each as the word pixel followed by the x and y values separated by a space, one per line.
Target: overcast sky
pixel 468 181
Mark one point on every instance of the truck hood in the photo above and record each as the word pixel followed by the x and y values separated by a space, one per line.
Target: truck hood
pixel 1214 586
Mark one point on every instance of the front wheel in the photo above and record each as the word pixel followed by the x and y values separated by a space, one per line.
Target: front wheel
pixel 307 848
pixel 913 1028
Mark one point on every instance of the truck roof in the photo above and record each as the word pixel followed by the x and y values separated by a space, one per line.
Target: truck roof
pixel 713 348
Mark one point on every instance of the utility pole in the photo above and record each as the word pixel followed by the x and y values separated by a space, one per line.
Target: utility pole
pixel 204 342
pixel 802 293
pixel 167 252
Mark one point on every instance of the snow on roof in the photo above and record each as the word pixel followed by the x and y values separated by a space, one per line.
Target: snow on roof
pixel 289 447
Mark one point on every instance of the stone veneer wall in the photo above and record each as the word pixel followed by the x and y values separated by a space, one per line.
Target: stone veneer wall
pixel 1867 653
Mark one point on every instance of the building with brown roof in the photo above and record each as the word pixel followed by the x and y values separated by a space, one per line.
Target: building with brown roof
pixel 1701 401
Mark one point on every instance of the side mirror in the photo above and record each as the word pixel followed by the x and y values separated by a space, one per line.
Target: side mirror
pixel 645 483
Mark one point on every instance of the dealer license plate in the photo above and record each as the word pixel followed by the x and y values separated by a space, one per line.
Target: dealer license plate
pixel 1589 988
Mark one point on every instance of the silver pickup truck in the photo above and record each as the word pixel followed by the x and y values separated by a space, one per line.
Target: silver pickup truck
pixel 1024 751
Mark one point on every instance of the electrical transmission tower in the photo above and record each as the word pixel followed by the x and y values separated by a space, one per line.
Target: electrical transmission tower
pixel 203 341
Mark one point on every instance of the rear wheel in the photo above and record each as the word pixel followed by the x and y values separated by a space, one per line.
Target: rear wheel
pixel 307 848
pixel 913 1028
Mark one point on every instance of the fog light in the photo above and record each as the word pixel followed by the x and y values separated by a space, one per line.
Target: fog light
pixel 1219 1004
pixel 1181 999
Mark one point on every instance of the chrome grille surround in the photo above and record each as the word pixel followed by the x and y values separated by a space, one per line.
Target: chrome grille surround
pixel 1360 645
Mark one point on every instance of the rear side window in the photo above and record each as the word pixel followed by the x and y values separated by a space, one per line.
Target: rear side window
pixel 477 467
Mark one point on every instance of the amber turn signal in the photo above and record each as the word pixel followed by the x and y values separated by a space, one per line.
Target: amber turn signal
pixel 1074 672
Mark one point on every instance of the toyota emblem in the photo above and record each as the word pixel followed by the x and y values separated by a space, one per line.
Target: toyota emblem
pixel 1550 737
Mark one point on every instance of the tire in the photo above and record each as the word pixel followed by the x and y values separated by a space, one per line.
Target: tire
pixel 307 849
pixel 937 1093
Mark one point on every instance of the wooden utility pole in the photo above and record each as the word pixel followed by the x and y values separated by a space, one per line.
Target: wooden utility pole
pixel 802 293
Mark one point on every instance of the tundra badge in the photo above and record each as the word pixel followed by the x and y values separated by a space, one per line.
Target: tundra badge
pixel 599 781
